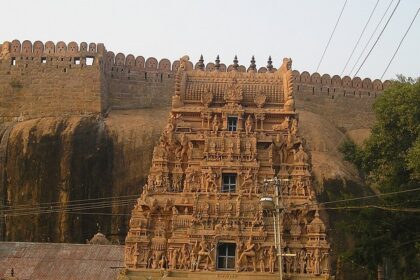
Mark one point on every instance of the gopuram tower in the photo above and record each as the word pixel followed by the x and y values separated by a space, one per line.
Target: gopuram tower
pixel 231 140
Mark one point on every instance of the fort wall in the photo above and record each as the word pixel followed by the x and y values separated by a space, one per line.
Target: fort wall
pixel 57 79
pixel 38 80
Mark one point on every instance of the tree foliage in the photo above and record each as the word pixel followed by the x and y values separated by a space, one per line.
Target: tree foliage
pixel 390 162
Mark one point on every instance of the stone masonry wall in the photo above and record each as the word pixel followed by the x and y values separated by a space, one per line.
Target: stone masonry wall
pixel 39 80
pixel 50 80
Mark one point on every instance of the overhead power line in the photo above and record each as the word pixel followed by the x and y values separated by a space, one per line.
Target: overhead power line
pixel 371 36
pixel 399 45
pixel 377 39
pixel 332 34
pixel 371 196
pixel 360 37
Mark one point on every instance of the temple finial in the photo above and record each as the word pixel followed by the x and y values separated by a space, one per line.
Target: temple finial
pixel 269 64
pixel 252 66
pixel 201 63
pixel 217 65
pixel 235 63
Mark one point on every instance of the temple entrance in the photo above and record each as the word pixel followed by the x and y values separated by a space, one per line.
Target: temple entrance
pixel 226 256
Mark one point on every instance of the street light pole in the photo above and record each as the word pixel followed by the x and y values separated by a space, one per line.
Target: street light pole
pixel 277 216
pixel 277 231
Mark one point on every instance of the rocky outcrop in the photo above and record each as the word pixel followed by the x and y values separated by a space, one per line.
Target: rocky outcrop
pixel 69 159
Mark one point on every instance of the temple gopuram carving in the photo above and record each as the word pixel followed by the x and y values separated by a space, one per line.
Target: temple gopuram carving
pixel 200 214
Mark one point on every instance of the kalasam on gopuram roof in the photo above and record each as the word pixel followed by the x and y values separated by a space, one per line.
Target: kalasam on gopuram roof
pixel 231 139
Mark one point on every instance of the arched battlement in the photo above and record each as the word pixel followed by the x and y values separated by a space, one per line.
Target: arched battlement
pixel 73 48
pixel 326 80
pixel 357 82
pixel 336 81
pixel 140 62
pixel 367 83
pixel 92 47
pixel 165 65
pixel 110 58
pixel 305 77
pixel 151 63
pixel 130 61
pixel 316 78
pixel 83 47
pixel 28 49
pixel 15 48
pixel 119 59
pixel 38 48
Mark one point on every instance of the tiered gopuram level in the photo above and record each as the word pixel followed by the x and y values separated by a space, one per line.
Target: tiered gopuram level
pixel 200 215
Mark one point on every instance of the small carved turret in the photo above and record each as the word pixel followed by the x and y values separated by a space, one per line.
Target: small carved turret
pixel 200 64
pixel 269 64
pixel 235 63
pixel 252 66
pixel 217 63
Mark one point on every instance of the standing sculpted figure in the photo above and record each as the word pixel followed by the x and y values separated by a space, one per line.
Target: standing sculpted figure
pixel 194 257
pixel 184 258
pixel 285 71
pixel 215 124
pixel 248 125
pixel 271 258
pixel 249 252
pixel 205 254
pixel 261 258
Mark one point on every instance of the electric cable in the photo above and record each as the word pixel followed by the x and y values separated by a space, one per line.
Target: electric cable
pixel 377 39
pixel 371 36
pixel 360 37
pixel 329 40
pixel 399 45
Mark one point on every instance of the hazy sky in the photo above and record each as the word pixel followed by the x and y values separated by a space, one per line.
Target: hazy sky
pixel 170 29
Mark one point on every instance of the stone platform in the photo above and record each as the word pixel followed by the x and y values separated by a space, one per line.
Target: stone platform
pixel 154 274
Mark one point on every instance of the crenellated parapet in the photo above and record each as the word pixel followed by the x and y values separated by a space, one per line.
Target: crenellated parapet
pixel 315 84
pixel 83 54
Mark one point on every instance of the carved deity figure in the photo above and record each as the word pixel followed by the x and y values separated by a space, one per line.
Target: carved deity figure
pixel 215 124
pixel 211 182
pixel 248 181
pixel 294 127
pixel 288 261
pixel 194 257
pixel 285 71
pixel 173 263
pixel 184 258
pixel 206 98
pixel 300 156
pixel 205 254
pixel 263 252
pixel 249 252
pixel 271 258
pixel 248 125
pixel 302 261
pixel 284 125
pixel 190 150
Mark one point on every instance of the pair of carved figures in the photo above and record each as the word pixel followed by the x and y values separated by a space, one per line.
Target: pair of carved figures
pixel 251 253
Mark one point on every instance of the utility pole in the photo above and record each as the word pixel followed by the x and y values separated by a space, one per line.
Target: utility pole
pixel 269 203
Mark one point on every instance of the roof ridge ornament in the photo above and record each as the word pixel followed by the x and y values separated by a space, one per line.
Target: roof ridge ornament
pixel 235 63
pixel 269 64
pixel 200 64
pixel 217 64
pixel 252 66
